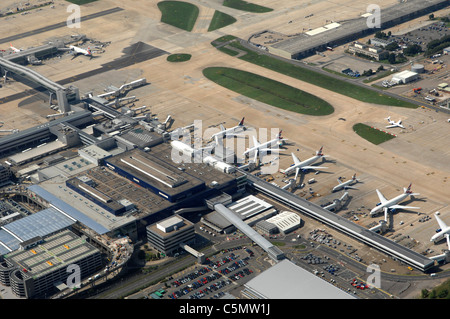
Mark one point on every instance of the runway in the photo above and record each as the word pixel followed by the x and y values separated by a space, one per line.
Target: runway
pixel 57 25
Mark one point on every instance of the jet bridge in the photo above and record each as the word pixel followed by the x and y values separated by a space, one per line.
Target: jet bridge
pixel 59 90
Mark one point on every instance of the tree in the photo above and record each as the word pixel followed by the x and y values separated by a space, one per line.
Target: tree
pixel 431 16
pixel 392 46
pixel 391 58
pixel 381 35
pixel 412 49
pixel 443 293
pixel 425 293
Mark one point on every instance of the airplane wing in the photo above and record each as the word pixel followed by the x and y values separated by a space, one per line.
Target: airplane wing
pixel 391 126
pixel 313 167
pixel 295 158
pixel 381 197
pixel 255 141
pixel 441 223
pixel 272 150
pixel 297 170
pixel 403 207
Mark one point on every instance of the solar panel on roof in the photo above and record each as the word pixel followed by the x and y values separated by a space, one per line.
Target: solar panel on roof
pixel 41 224
pixel 68 210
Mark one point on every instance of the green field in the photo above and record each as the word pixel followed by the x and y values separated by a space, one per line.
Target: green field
pixel 371 134
pixel 220 20
pixel 322 80
pixel 439 292
pixel 179 57
pixel 179 14
pixel 268 91
pixel 246 6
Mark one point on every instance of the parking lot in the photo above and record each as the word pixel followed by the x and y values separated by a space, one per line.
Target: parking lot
pixel 221 273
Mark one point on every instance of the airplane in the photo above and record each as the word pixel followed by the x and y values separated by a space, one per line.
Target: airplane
pixel 393 123
pixel 231 131
pixel 393 203
pixel 345 184
pixel 267 146
pixel 77 50
pixel 14 49
pixel 443 231
pixel 305 165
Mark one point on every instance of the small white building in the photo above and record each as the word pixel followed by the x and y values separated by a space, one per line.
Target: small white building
pixel 286 221
pixel 404 77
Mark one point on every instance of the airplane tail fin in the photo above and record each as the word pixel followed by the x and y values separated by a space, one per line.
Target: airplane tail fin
pixel 241 123
pixel 354 177
pixel 408 190
pixel 319 152
pixel 279 135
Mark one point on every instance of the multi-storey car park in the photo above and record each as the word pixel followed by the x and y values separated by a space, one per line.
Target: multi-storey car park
pixel 42 266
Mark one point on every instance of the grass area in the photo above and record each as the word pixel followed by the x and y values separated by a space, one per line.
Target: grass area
pixel 222 39
pixel 80 2
pixel 268 91
pixel 439 292
pixel 179 57
pixel 371 134
pixel 246 6
pixel 220 20
pixel 179 14
pixel 322 80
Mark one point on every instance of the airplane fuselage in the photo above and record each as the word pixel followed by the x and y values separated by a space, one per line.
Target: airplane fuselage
pixel 344 184
pixel 440 235
pixel 301 164
pixel 270 144
pixel 389 203
pixel 229 131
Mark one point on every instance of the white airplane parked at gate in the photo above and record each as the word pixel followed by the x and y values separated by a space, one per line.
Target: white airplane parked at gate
pixel 393 203
pixel 442 232
pixel 231 131
pixel 265 147
pixel 346 184
pixel 306 164
pixel 14 49
pixel 393 123
pixel 77 50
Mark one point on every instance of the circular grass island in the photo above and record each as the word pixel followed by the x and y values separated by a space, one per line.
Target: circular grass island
pixel 179 57
pixel 268 91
